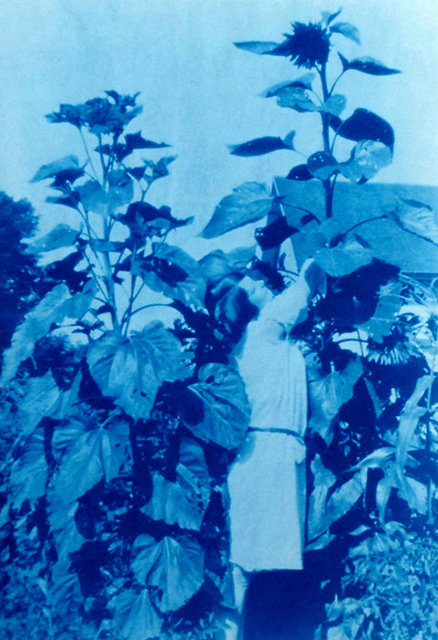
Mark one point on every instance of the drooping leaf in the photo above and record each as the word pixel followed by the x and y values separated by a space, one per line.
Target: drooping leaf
pixel 132 370
pixel 255 46
pixel 172 271
pixel 29 473
pixel 258 146
pixel 61 515
pixel 305 82
pixel 61 236
pixel 323 480
pixel 136 141
pixel 275 233
pixel 328 394
pixel 217 263
pixel 294 95
pixel 334 105
pixel 366 125
pixel 367 65
pixel 57 166
pixel 368 157
pixel 328 17
pixel 322 165
pixel 346 29
pixel 53 308
pixel 248 203
pixel 175 567
pixel 342 499
pixel 418 218
pixel 226 406
pixel 135 615
pixel 300 172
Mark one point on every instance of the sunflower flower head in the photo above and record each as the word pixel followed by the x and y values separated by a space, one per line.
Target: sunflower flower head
pixel 308 45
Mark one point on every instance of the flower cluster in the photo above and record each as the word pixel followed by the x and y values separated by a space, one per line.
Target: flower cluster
pixel 100 115
pixel 308 45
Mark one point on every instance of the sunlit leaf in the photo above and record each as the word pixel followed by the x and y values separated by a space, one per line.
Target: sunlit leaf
pixel 217 263
pixel 304 82
pixel 226 406
pixel 61 515
pixel 40 399
pixel 328 16
pixel 367 65
pixel 346 29
pixel 367 159
pixel 345 258
pixel 57 166
pixel 342 499
pixel 295 95
pixel 335 104
pixel 61 236
pixel 175 567
pixel 248 203
pixel 132 370
pixel 135 615
pixel 409 418
pixel 258 47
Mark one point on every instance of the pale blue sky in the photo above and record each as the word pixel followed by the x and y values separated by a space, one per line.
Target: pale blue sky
pixel 199 92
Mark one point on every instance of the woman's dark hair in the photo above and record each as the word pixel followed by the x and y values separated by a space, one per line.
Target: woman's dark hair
pixel 231 306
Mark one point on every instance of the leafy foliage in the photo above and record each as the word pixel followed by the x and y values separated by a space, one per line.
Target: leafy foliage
pixel 118 440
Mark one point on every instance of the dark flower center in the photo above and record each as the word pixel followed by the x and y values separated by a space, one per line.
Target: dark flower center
pixel 308 46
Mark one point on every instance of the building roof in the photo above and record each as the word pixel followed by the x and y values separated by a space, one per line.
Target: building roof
pixel 354 203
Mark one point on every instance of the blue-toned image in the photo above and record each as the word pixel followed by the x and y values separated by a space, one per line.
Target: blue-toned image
pixel 219 320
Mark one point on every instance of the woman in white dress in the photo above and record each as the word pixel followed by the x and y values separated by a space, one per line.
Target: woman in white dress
pixel 267 480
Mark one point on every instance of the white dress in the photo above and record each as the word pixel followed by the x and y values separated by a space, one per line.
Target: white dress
pixel 267 481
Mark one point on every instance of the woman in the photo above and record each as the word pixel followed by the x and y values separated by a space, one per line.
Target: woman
pixel 267 481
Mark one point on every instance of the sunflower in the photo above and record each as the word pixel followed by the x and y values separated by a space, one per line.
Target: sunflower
pixel 308 45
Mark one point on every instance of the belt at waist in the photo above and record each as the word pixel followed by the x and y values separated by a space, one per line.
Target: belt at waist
pixel 288 432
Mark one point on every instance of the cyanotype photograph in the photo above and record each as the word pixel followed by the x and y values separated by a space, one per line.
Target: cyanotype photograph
pixel 218 320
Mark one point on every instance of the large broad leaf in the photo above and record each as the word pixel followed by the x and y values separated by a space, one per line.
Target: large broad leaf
pixel 345 258
pixel 29 473
pixel 184 501
pixel 61 516
pixel 53 308
pixel 304 81
pixel 367 159
pixel 96 454
pixel 255 46
pixel 132 370
pixel 175 567
pixel 135 615
pixel 366 125
pixel 385 315
pixel 96 199
pixel 341 500
pixel 259 146
pixel 41 396
pixel 367 65
pixel 248 203
pixel 225 403
pixel 172 271
pixel 334 105
pixel 418 218
pixel 328 394
pixel 217 264
pixel 57 166
pixel 346 29
pixel 323 480
pixel 61 236
pixel 294 95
